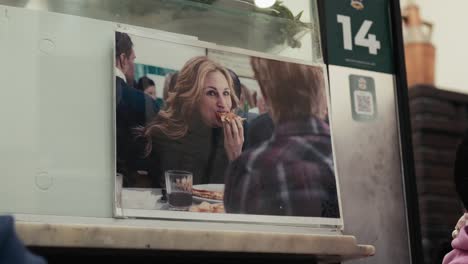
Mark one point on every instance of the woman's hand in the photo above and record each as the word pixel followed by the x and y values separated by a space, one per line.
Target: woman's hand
pixel 233 138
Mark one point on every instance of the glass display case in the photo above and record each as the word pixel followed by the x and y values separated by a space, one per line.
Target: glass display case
pixel 61 69
pixel 289 28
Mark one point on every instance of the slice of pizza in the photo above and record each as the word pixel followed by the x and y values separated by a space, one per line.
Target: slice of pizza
pixel 228 116
pixel 214 195
pixel 205 207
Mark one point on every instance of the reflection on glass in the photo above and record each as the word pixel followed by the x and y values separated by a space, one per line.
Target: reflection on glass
pixel 288 28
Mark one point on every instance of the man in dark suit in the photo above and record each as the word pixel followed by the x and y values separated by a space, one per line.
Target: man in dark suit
pixel 133 109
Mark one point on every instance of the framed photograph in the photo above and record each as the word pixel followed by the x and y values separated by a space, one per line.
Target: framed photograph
pixel 212 133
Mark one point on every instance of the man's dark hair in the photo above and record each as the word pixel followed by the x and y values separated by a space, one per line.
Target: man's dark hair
pixel 123 44
pixel 461 171
pixel 144 82
pixel 236 82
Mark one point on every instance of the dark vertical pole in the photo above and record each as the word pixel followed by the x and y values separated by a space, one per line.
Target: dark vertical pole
pixel 323 30
pixel 409 177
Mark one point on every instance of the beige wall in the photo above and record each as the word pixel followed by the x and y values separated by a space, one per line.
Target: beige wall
pixel 450 38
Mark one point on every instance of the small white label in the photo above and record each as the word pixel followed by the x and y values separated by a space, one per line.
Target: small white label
pixel 364 103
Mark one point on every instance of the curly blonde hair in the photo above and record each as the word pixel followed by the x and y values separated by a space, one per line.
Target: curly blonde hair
pixel 183 101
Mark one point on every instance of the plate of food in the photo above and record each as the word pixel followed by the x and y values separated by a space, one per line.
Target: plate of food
pixel 212 193
pixel 206 207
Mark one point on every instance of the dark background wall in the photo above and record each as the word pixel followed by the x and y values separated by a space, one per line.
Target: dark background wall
pixel 439 120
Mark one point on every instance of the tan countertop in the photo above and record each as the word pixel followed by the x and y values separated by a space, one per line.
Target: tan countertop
pixel 59 231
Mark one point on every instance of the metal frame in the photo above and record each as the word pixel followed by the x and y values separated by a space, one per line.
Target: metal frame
pixel 404 125
pixel 409 178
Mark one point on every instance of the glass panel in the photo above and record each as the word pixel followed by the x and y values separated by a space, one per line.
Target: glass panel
pixel 289 28
pixel 57 62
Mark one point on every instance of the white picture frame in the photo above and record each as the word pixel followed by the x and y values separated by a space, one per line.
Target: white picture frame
pixel 144 208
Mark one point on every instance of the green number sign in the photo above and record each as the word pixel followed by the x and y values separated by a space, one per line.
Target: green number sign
pixel 358 34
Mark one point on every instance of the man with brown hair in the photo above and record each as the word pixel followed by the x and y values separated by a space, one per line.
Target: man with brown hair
pixel 292 173
pixel 133 109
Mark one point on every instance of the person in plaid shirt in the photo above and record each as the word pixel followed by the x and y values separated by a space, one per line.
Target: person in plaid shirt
pixel 291 174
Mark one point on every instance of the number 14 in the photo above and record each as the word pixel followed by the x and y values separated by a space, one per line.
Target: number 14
pixel 360 39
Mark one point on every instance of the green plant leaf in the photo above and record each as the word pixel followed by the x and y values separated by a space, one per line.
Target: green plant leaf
pixel 298 16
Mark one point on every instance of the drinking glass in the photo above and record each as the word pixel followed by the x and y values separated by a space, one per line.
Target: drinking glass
pixel 179 189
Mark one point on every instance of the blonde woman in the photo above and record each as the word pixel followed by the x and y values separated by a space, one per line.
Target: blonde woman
pixel 292 173
pixel 188 134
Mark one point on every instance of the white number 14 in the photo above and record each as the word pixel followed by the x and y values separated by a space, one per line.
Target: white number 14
pixel 360 39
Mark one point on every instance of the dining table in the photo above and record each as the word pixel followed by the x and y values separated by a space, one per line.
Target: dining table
pixel 152 198
pixel 143 198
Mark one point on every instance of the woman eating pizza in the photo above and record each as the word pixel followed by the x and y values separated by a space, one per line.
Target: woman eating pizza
pixel 197 132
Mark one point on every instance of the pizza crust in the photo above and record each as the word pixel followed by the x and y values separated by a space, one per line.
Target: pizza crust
pixel 228 117
pixel 208 194
pixel 206 207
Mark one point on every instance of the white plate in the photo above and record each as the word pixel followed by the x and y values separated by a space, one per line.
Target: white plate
pixel 208 187
pixel 201 199
pixel 212 187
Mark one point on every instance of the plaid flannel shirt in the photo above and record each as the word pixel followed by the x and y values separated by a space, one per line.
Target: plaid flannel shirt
pixel 291 174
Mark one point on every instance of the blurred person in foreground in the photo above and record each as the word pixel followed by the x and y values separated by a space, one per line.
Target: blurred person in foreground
pixel 459 254
pixel 12 249
pixel 291 174
pixel 189 134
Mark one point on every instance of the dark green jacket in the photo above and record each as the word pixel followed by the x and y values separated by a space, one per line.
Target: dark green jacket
pixel 201 152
